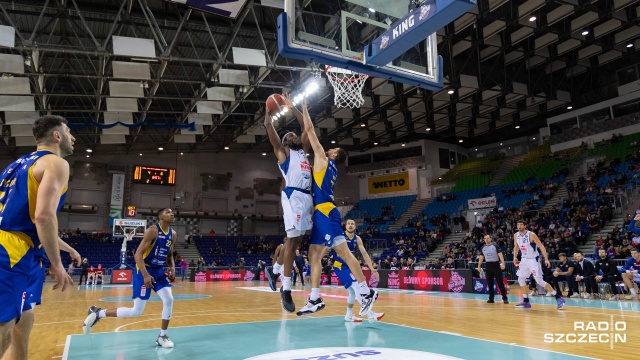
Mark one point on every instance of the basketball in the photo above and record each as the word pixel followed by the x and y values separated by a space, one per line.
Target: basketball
pixel 275 104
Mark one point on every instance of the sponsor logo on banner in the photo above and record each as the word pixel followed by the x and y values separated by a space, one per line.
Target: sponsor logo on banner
pixel 371 353
pixel 121 277
pixel 482 203
pixel 201 277
pixel 456 283
pixel 117 196
pixel 390 183
pixel 249 276
pixel 226 275
pixel 384 42
pixel 405 25
pixel 425 10
pixel 393 282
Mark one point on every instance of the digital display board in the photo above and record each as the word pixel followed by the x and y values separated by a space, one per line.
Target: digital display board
pixel 154 175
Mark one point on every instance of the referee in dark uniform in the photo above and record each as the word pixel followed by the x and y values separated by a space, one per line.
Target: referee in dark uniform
pixel 495 265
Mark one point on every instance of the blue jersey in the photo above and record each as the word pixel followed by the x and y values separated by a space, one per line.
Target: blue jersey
pixel 351 243
pixel 324 180
pixel 156 254
pixel 631 264
pixel 18 193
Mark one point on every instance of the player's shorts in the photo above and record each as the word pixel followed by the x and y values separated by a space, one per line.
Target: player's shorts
pixel 528 267
pixel 343 272
pixel 327 226
pixel 636 278
pixel 141 291
pixel 36 282
pixel 16 256
pixel 297 206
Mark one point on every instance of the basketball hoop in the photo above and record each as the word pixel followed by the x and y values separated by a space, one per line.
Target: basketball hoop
pixel 129 233
pixel 347 86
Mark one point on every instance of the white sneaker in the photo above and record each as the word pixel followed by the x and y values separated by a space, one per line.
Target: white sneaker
pixel 351 318
pixel 164 342
pixel 367 302
pixel 631 297
pixel 549 294
pixel 91 319
pixel 587 296
pixel 311 307
pixel 374 317
pixel 575 296
pixel 613 298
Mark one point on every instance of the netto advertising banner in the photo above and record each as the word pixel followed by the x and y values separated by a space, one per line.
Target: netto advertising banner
pixel 388 183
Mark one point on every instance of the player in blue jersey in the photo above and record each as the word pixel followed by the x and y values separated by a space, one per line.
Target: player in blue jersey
pixel 630 273
pixel 154 252
pixel 327 224
pixel 19 348
pixel 32 190
pixel 343 272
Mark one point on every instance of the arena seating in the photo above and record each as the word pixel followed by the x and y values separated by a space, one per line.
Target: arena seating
pixel 373 211
pixel 470 169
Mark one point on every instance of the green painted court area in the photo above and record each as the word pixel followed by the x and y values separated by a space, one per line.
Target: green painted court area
pixel 313 337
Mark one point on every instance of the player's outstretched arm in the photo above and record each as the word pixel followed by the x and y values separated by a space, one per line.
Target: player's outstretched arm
pixel 365 255
pixel 318 150
pixel 75 256
pixel 304 138
pixel 278 148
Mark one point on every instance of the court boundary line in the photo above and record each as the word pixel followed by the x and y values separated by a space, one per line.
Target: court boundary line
pixel 67 347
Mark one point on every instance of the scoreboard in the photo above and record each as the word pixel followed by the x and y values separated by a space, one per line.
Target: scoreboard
pixel 154 175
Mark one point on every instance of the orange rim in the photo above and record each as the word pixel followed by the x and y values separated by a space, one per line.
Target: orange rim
pixel 353 79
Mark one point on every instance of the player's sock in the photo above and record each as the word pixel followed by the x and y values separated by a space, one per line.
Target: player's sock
pixel 277 268
pixel 163 332
pixel 315 294
pixel 364 289
pixel 525 298
pixel 633 291
pixel 349 311
pixel 286 283
pixel 102 314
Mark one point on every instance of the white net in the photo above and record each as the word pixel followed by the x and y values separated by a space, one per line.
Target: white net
pixel 347 86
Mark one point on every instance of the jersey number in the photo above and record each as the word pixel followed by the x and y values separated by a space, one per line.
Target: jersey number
pixel 168 243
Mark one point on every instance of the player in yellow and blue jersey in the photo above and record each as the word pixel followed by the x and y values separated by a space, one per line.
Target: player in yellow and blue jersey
pixel 327 224
pixel 32 190
pixel 154 252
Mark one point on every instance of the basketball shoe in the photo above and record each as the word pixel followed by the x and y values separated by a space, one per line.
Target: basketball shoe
pixel 91 319
pixel 351 318
pixel 164 341
pixel 312 306
pixel 374 317
pixel 287 301
pixel 271 277
pixel 368 301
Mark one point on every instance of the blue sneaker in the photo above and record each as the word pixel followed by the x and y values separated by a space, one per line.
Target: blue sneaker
pixel 560 303
pixel 523 304
pixel 271 277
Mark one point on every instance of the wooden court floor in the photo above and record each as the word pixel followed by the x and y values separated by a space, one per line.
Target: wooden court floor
pixel 461 317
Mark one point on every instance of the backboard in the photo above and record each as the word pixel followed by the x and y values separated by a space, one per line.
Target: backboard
pixel 390 39
pixel 122 227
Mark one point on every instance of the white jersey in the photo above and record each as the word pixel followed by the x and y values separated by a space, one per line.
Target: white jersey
pixel 528 249
pixel 297 170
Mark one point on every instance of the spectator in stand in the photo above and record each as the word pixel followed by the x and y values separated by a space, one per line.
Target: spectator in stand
pixel 183 268
pixel 449 265
pixel 394 265
pixel 609 273
pixel 585 274
pixel 212 233
pixel 201 265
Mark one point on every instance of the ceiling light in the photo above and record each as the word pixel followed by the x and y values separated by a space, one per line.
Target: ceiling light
pixel 629 44
pixel 476 149
pixel 375 143
pixel 181 153
pixel 312 88
pixel 333 141
pixel 264 154
pixel 534 138
pixel 226 148
pixel 372 10
pixel 140 154
pixel 403 144
pixel 517 126
pixel 274 117
pixel 428 129
pixel 500 144
pixel 87 155
pixel 160 148
pixel 450 92
pixel 362 125
pixel 460 140
pixel 585 32
pixel 439 178
pixel 89 150
pixel 569 107
pixel 532 18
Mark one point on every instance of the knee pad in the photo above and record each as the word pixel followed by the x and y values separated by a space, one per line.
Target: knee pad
pixel 167 302
pixel 522 281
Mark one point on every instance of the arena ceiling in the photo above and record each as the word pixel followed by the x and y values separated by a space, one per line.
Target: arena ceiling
pixel 506 71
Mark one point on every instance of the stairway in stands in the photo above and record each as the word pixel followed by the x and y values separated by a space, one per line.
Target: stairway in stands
pixel 506 166
pixel 447 240
pixel 191 253
pixel 561 193
pixel 413 211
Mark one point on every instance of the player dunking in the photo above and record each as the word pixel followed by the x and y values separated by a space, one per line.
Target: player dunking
pixel 32 190
pixel 297 203
pixel 327 225
pixel 346 278
pixel 528 244
pixel 155 250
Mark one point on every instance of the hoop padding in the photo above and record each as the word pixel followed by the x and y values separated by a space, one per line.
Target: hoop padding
pixel 347 86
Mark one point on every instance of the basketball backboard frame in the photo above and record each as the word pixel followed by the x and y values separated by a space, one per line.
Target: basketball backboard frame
pixel 122 226
pixel 316 47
